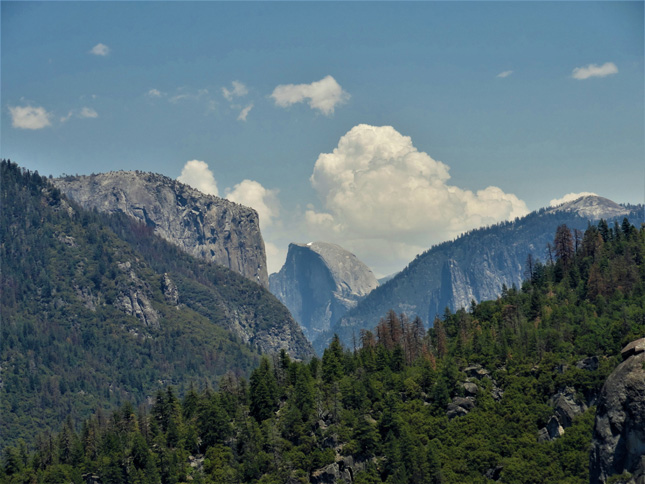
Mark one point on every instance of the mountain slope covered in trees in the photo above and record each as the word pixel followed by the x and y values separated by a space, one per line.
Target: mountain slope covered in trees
pixel 470 400
pixel 474 267
pixel 90 320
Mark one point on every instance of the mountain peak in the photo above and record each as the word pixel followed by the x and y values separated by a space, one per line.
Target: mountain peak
pixel 319 283
pixel 592 207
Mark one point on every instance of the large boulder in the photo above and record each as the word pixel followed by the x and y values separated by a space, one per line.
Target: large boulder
pixel 619 431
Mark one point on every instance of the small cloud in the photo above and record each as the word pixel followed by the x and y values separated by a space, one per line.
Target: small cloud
pixel 238 90
pixel 29 117
pixel 84 112
pixel 252 194
pixel 66 118
pixel 155 93
pixel 504 74
pixel 100 49
pixel 593 70
pixel 88 113
pixel 245 112
pixel 187 95
pixel 197 175
pixel 570 197
pixel 323 95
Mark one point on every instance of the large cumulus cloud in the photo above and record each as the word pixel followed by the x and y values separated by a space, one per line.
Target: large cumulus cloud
pixel 380 192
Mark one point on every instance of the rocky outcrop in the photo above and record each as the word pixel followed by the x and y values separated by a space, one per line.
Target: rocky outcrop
pixel 341 471
pixel 619 432
pixel 474 267
pixel 134 297
pixel 566 407
pixel 169 289
pixel 203 225
pixel 319 283
pixel 460 406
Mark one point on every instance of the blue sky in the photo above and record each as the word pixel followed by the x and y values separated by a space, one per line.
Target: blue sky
pixel 426 104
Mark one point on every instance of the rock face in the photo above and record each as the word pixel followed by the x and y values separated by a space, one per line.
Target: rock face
pixel 202 225
pixel 475 266
pixel 619 431
pixel 319 283
pixel 593 207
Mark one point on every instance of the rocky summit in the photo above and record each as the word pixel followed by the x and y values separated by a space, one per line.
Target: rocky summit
pixel 205 226
pixel 319 283
pixel 593 207
pixel 619 432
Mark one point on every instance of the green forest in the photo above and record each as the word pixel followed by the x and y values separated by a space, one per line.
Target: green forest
pixel 69 343
pixel 462 402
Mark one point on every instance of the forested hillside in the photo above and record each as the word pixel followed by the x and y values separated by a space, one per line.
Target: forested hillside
pixel 91 320
pixel 471 400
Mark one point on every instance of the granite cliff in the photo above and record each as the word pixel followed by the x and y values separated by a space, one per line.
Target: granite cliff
pixel 202 225
pixel 319 283
pixel 619 433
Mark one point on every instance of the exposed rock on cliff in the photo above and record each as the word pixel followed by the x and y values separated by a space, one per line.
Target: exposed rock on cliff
pixel 619 431
pixel 202 225
pixel 319 283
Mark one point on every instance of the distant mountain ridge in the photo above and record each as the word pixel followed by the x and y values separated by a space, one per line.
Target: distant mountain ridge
pixel 205 226
pixel 319 282
pixel 474 267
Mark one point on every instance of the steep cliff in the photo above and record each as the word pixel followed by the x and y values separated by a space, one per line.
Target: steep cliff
pixel 319 283
pixel 476 266
pixel 205 226
pixel 619 432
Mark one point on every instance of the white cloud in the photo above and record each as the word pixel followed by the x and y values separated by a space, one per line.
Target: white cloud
pixel 245 112
pixel 100 49
pixel 155 93
pixel 84 112
pixel 249 193
pixel 238 90
pixel 275 256
pixel 504 74
pixel 189 95
pixel 264 201
pixel 380 192
pixel 29 117
pixel 570 197
pixel 197 174
pixel 323 95
pixel 593 70
pixel 88 113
